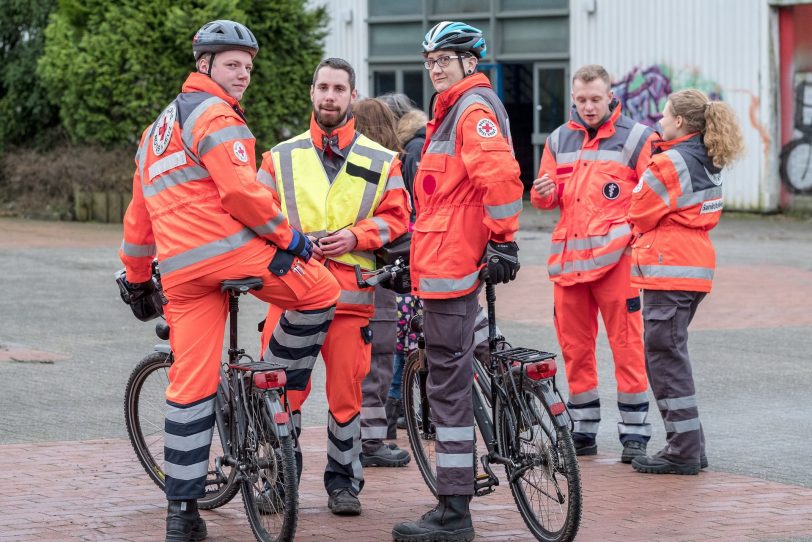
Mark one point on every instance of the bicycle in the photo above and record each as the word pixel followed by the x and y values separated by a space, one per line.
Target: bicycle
pixel 252 447
pixel 795 165
pixel 531 436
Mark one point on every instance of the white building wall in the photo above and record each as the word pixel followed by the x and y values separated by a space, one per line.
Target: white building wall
pixel 347 36
pixel 720 42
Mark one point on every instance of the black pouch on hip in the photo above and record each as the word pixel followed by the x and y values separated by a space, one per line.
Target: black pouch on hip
pixel 366 334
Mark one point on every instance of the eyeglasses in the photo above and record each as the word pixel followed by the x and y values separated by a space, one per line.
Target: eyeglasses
pixel 442 61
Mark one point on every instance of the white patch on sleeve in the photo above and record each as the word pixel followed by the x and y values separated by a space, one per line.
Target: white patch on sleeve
pixel 240 152
pixel 486 128
pixel 712 206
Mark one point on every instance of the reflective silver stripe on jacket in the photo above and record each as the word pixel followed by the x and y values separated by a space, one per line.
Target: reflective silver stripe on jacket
pixel 446 285
pixel 505 210
pixel 166 163
pixel 599 241
pixel 656 185
pixel 137 251
pixel 175 178
pixel 209 250
pixel 673 271
pixel 229 133
pixel 270 226
pixel 383 229
pixel 266 178
pixel 590 264
pixel 444 139
pixel 395 182
pixel 190 121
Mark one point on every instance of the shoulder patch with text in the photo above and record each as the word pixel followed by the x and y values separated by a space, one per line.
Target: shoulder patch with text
pixel 712 206
pixel 486 128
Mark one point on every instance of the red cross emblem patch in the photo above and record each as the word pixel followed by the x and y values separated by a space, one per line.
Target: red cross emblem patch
pixel 240 152
pixel 486 128
pixel 163 131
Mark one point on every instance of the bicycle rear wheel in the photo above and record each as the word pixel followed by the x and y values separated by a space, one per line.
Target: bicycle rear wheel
pixel 544 477
pixel 144 411
pixel 419 426
pixel 269 482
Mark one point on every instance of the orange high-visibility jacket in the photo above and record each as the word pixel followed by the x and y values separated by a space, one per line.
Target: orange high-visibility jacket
pixel 196 202
pixel 467 190
pixel 595 180
pixel 676 203
pixel 390 215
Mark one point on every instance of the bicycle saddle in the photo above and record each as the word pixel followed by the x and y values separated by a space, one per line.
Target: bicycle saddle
pixel 241 286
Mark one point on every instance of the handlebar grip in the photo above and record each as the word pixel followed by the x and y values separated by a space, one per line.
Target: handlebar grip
pixel 483 273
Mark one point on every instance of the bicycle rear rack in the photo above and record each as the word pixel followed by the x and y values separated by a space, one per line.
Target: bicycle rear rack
pixel 521 355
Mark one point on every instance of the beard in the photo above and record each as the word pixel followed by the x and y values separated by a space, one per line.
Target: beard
pixel 330 119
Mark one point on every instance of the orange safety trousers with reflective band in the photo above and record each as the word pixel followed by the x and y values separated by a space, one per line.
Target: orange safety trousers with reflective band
pixel 467 190
pixel 346 359
pixel 197 313
pixel 595 179
pixel 676 203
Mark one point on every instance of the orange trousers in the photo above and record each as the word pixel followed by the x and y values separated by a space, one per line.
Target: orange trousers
pixel 346 360
pixel 197 313
pixel 576 323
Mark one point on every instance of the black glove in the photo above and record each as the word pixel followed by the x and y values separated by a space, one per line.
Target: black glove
pixel 401 284
pixel 300 246
pixel 139 290
pixel 503 261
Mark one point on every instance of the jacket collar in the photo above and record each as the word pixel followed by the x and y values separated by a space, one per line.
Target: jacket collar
pixel 345 133
pixel 606 129
pixel 197 82
pixel 446 99
pixel 665 145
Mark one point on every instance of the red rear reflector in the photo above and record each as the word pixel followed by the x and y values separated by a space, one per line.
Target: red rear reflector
pixel 541 369
pixel 270 379
pixel 282 417
pixel 556 409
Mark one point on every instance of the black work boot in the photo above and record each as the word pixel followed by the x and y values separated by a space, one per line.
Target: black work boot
pixel 393 408
pixel 450 521
pixel 183 522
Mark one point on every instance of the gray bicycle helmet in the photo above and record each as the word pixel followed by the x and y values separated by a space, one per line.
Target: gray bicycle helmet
pixel 456 37
pixel 223 35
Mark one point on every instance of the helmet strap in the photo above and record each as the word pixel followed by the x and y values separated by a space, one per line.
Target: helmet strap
pixel 211 63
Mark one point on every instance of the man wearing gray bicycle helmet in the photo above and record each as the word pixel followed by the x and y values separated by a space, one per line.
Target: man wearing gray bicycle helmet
pixel 467 197
pixel 198 207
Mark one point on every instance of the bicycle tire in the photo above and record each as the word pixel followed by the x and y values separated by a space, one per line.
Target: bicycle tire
pixel 422 437
pixel 144 411
pixel 795 165
pixel 546 458
pixel 269 482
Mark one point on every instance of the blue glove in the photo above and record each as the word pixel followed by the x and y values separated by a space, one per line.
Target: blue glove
pixel 300 246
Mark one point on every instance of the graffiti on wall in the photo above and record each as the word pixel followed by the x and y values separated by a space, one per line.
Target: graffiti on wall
pixel 643 91
pixel 796 156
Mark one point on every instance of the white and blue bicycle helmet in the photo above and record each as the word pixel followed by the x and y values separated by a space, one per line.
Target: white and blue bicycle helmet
pixel 455 36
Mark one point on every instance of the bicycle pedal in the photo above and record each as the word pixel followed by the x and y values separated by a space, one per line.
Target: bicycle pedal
pixel 485 484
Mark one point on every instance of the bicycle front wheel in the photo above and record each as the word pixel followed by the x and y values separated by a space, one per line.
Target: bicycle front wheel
pixel 544 476
pixel 419 425
pixel 144 413
pixel 269 482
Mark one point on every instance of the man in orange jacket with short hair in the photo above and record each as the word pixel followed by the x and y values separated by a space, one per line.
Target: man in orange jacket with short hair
pixel 198 207
pixel 346 192
pixel 589 168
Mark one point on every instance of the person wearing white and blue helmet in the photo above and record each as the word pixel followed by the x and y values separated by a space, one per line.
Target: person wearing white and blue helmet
pixel 467 196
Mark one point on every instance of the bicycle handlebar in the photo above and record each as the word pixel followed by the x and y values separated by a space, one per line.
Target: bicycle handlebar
pixel 384 273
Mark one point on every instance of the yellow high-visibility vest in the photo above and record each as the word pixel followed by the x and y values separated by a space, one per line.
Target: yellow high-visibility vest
pixel 318 207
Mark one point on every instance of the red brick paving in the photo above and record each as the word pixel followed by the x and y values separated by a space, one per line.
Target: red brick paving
pixel 777 296
pixel 97 490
